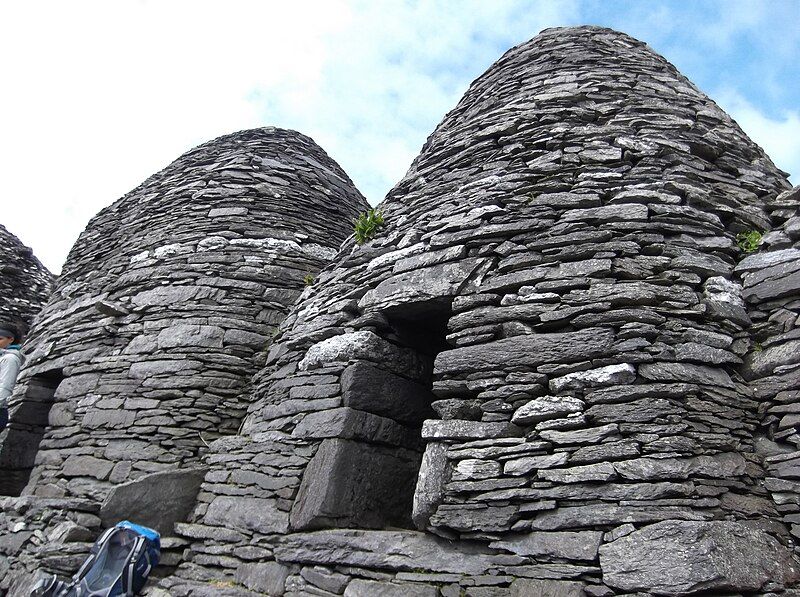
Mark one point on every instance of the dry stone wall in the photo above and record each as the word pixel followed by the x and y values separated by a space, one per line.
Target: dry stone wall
pixel 533 380
pixel 554 371
pixel 771 289
pixel 24 282
pixel 162 315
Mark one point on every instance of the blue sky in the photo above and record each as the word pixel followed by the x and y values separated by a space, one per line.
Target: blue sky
pixel 99 95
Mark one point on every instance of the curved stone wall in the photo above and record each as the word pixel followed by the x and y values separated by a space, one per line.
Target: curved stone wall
pixel 551 315
pixel 24 282
pixel 771 288
pixel 162 315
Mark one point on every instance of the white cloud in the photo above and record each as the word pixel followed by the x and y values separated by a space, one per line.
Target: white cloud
pixel 99 95
pixel 778 136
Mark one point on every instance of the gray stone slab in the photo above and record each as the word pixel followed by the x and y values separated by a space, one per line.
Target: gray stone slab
pixel 247 514
pixel 682 557
pixel 158 500
pixel 357 485
pixel 546 407
pixel 368 388
pixel 348 423
pixel 406 550
pixel 373 588
pixel 526 351
pixel 568 545
pixel 421 286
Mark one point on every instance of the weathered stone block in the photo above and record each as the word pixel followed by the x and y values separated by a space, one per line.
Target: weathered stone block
pixel 429 492
pixel 455 429
pixel 365 346
pixel 247 513
pixel 182 335
pixel 373 588
pixel 527 587
pixel 682 557
pixel 570 546
pixel 354 484
pixel 546 407
pixel 378 391
pixel 417 287
pixel 157 501
pixel 393 550
pixel 86 466
pixel 349 423
pixel 525 351
pixel 264 577
pixel 594 378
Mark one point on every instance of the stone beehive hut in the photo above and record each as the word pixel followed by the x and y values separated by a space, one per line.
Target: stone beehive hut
pixel 24 282
pixel 536 379
pixel 553 371
pixel 161 316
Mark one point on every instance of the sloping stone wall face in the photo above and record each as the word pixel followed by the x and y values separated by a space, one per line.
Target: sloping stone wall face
pixel 771 289
pixel 163 313
pixel 573 221
pixel 24 282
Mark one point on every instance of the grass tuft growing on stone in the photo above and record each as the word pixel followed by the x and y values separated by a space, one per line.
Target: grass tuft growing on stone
pixel 367 225
pixel 748 241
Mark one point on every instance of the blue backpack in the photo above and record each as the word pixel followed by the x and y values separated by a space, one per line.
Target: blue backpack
pixel 118 565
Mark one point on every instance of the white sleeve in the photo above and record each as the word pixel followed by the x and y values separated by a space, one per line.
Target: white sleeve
pixel 9 368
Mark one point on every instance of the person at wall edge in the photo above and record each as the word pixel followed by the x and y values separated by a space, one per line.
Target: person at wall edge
pixel 11 360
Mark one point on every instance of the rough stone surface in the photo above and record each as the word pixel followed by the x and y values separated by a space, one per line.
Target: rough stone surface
pixel 682 557
pixel 352 484
pixel 547 407
pixel 24 282
pixel 158 500
pixel 568 235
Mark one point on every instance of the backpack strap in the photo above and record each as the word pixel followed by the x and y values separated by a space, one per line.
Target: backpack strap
pixel 134 558
pixel 92 555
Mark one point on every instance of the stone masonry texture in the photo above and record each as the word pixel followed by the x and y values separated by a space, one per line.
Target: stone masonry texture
pixel 24 282
pixel 162 314
pixel 557 369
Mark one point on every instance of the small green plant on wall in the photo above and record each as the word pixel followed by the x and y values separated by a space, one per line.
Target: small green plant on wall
pixel 367 225
pixel 748 241
pixel 308 280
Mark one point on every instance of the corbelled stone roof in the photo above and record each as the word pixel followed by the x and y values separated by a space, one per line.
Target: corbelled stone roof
pixel 24 282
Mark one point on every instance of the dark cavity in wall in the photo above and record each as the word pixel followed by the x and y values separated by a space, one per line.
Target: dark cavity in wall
pixel 365 478
pixel 25 432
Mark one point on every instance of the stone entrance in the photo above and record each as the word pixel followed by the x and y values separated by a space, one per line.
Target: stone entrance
pixel 25 432
pixel 366 475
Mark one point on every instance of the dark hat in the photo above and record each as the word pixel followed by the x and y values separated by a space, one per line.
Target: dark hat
pixel 8 330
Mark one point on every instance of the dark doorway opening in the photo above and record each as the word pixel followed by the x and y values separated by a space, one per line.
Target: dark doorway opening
pixel 26 429
pixel 362 481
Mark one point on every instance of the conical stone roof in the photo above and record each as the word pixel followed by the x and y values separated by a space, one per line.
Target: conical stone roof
pixel 551 315
pixel 24 282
